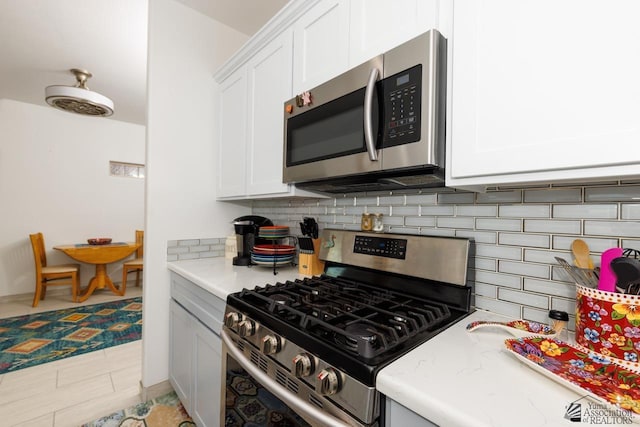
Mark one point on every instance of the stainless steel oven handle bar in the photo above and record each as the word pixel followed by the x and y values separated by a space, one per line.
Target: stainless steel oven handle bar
pixel 369 137
pixel 290 399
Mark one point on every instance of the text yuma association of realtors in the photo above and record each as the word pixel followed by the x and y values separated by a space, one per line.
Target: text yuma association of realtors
pixel 602 414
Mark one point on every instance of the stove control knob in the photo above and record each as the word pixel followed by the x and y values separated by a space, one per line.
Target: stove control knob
pixel 328 382
pixel 231 319
pixel 303 365
pixel 246 328
pixel 271 344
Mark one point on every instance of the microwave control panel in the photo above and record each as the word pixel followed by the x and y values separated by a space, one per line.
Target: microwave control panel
pixel 402 101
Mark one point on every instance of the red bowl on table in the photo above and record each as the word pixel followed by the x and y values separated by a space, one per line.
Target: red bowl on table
pixel 99 241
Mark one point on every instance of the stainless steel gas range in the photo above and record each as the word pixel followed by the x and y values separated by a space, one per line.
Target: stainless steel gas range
pixel 315 345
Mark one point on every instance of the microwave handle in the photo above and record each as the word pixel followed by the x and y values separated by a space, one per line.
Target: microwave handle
pixel 369 138
pixel 290 399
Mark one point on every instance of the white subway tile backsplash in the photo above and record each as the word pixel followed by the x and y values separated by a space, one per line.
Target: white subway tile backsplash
pixel 500 197
pixel 476 210
pixel 592 211
pixel 612 228
pixel 628 193
pixel 517 232
pixel 539 256
pixel 447 210
pixel 498 252
pixel 485 264
pixel 420 221
pixel 524 239
pixel 392 200
pixel 551 226
pixel 441 232
pixel 630 211
pixel 525 211
pixel 523 298
pixel 565 195
pixel 350 210
pixel 524 269
pixel 457 198
pixel 629 243
pixel 405 210
pixel 455 222
pixel 536 315
pixel 366 201
pixel 478 236
pixel 564 304
pixel 499 224
pixel 345 201
pixel 501 307
pixel 498 279
pixel 422 199
pixel 549 287
pixel 403 230
pixel 485 290
pixel 190 242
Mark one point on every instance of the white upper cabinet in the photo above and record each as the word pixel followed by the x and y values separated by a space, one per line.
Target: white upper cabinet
pixel 544 91
pixel 379 25
pixel 269 87
pixel 321 44
pixel 232 124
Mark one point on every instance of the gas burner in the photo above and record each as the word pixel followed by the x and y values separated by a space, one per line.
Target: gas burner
pixel 360 338
pixel 361 331
pixel 281 299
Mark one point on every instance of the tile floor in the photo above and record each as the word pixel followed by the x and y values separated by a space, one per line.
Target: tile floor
pixel 71 391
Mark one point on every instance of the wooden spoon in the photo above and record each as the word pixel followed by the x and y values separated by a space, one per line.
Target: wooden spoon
pixel 580 251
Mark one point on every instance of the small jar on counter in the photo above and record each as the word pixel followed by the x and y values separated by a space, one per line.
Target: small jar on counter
pixel 366 223
pixel 378 225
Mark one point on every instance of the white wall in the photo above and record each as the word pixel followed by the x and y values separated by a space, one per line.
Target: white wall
pixel 185 49
pixel 54 179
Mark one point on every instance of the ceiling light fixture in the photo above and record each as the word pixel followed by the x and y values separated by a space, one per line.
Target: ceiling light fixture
pixel 79 99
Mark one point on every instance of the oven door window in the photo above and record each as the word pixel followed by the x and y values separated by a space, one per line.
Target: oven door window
pixel 331 130
pixel 247 402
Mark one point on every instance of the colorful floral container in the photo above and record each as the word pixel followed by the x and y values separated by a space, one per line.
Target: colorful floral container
pixel 609 323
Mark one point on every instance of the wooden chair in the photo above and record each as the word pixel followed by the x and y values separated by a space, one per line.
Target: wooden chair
pixel 134 264
pixel 47 275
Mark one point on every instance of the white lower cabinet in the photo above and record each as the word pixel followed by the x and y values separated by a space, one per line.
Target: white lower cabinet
pixel 195 350
pixel 398 415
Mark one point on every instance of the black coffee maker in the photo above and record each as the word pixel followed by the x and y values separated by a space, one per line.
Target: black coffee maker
pixel 247 228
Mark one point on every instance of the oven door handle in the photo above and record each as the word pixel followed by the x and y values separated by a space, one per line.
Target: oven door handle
pixel 369 137
pixel 290 399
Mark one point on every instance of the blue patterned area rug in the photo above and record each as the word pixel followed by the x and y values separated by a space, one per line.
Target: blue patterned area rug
pixel 33 339
pixel 163 411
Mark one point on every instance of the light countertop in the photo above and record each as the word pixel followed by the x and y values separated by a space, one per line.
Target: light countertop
pixel 469 379
pixel 221 278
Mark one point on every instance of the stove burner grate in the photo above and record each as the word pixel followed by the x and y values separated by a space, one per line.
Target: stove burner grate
pixel 364 320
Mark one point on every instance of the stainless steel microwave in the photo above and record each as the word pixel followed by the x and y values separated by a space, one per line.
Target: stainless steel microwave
pixel 378 126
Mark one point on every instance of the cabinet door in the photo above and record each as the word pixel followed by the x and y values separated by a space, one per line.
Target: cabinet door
pixel 320 44
pixel 207 354
pixel 269 74
pixel 180 354
pixel 544 91
pixel 379 25
pixel 232 124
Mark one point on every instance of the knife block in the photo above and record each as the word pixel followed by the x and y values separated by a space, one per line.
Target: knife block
pixel 310 264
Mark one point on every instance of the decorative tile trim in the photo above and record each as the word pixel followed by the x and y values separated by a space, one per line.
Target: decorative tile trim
pixel 179 250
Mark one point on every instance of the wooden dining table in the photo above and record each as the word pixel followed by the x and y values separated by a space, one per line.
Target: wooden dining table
pixel 100 256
